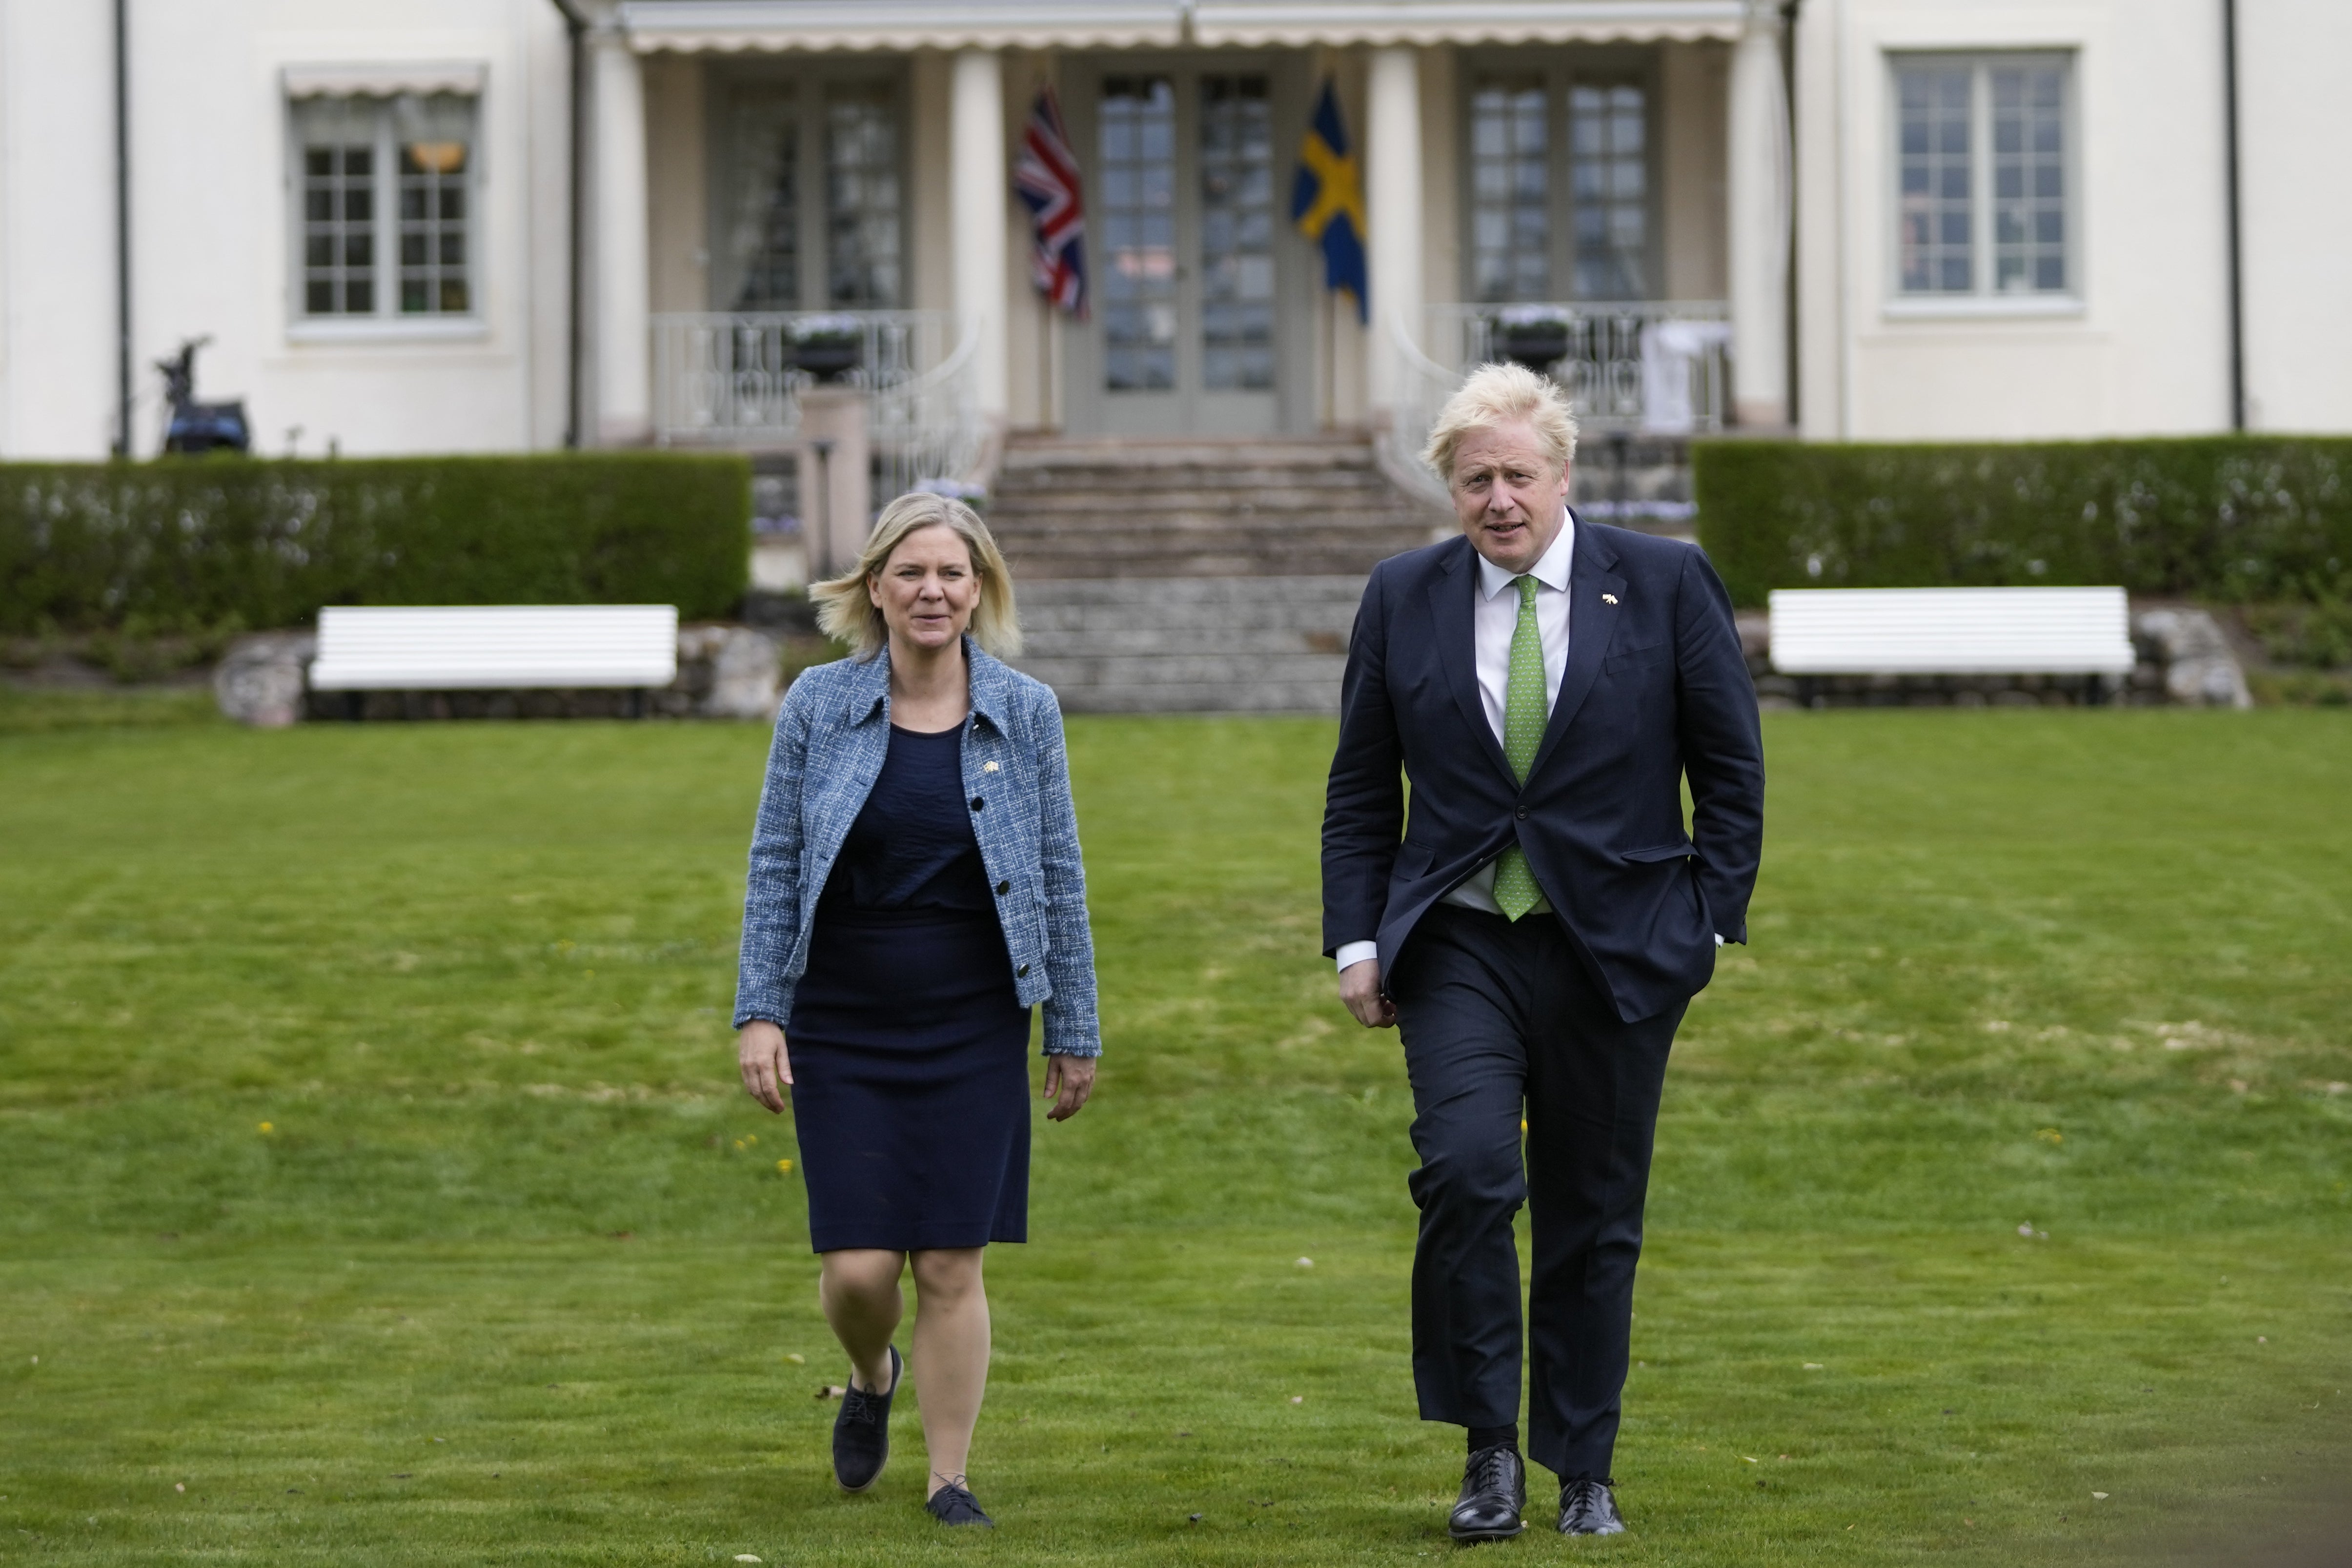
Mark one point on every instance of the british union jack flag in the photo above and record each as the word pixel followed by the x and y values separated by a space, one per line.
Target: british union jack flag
pixel 1045 177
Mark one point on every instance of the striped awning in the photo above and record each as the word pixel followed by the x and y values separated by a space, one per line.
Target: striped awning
pixel 734 27
pixel 694 26
pixel 386 79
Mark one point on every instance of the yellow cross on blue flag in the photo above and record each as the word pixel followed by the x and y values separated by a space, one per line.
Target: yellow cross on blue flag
pixel 1327 199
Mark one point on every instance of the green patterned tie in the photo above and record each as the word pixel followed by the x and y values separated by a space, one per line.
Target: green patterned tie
pixel 1523 727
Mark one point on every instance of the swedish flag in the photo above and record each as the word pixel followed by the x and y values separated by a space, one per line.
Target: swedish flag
pixel 1327 199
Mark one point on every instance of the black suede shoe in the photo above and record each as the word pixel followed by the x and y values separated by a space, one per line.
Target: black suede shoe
pixel 861 1432
pixel 1589 1508
pixel 1494 1491
pixel 953 1504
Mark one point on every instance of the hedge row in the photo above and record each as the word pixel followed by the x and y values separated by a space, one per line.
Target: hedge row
pixel 2230 518
pixel 207 541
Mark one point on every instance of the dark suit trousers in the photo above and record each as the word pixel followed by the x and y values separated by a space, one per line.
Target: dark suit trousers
pixel 1499 1021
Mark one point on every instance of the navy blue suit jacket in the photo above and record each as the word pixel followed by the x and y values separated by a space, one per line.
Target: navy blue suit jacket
pixel 1655 690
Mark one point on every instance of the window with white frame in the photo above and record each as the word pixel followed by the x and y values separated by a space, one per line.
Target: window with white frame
pixel 812 190
pixel 1561 192
pixel 386 224
pixel 1984 176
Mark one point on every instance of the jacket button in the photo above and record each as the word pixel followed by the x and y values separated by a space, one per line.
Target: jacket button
pixel 1003 888
pixel 1022 972
pixel 977 802
pixel 1523 816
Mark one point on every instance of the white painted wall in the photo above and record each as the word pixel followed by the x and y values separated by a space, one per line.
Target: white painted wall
pixel 2296 124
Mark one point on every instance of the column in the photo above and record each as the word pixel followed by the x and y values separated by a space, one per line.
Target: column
pixel 1392 211
pixel 1761 202
pixel 978 189
pixel 624 390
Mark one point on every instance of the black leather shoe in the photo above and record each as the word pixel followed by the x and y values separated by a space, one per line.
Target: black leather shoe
pixel 1494 1491
pixel 953 1504
pixel 861 1432
pixel 1590 1508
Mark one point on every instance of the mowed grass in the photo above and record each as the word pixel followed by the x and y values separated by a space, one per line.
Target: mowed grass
pixel 374 1168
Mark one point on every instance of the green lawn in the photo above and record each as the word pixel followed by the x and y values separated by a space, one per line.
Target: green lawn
pixel 374 1167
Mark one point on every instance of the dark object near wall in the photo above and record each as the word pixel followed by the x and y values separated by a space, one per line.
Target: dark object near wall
pixel 195 426
pixel 2232 518
pixel 266 543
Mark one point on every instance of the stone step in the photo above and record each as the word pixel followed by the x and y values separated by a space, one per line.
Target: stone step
pixel 1235 643
pixel 1024 453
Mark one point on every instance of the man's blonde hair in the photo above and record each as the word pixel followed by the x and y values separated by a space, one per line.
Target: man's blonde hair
pixel 845 612
pixel 1502 395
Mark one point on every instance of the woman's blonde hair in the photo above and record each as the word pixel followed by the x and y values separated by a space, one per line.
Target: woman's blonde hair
pixel 846 612
pixel 1501 394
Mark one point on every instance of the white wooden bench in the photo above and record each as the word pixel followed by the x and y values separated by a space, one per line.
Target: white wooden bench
pixel 499 648
pixel 1952 631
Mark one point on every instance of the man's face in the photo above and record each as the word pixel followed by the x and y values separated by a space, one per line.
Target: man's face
pixel 1510 499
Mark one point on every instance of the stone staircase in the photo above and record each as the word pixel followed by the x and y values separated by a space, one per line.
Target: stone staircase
pixel 1196 576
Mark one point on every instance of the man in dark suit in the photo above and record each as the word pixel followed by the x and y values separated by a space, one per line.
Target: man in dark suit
pixel 1539 924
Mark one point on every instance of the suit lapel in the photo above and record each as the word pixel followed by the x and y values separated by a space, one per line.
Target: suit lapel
pixel 1592 627
pixel 1458 647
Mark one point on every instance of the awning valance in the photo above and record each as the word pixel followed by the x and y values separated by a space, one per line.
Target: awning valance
pixel 386 79
pixel 731 27
pixel 1297 23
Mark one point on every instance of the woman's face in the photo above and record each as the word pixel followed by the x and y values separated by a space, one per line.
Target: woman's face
pixel 928 590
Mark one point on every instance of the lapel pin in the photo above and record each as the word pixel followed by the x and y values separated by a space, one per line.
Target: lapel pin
pixel 1608 598
pixel 988 767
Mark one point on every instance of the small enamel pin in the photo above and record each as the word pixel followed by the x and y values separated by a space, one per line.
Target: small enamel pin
pixel 988 767
pixel 1608 598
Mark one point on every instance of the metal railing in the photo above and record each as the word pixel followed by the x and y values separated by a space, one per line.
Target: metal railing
pixel 1633 367
pixel 736 379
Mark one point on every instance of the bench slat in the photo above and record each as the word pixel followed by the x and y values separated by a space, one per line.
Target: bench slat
pixel 450 648
pixel 1951 631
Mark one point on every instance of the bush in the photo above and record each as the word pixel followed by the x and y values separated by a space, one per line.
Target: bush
pixel 206 542
pixel 2232 518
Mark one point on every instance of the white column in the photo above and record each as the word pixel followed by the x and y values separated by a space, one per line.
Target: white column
pixel 1760 201
pixel 1392 211
pixel 624 400
pixel 978 191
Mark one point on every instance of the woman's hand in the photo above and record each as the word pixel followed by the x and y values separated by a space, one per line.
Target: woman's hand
pixel 767 1067
pixel 1068 1081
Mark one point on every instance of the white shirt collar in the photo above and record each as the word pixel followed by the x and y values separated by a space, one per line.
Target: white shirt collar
pixel 1550 569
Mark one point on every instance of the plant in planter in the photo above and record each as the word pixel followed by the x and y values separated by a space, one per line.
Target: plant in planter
pixel 1536 336
pixel 828 347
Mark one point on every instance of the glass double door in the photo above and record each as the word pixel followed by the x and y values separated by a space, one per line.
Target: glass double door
pixel 1197 325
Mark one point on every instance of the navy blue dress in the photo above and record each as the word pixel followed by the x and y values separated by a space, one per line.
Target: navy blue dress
pixel 909 1047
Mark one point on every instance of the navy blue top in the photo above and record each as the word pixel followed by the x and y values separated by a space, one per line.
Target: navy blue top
pixel 912 845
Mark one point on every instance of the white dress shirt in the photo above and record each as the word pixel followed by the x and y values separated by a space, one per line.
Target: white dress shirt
pixel 1494 621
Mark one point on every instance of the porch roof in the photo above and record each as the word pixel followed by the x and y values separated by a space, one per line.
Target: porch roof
pixel 778 26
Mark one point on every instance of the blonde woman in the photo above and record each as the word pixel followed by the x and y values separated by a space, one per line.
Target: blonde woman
pixel 915 890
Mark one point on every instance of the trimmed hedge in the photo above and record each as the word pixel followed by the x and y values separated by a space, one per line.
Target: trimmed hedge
pixel 208 541
pixel 2230 518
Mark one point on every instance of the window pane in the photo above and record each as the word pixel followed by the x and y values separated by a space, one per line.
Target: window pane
pixel 1237 234
pixel 1137 140
pixel 1608 186
pixel 1934 217
pixel 763 234
pixel 862 195
pixel 338 205
pixel 2029 177
pixel 1510 179
pixel 434 144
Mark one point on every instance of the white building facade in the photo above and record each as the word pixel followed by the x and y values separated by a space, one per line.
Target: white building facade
pixel 1854 219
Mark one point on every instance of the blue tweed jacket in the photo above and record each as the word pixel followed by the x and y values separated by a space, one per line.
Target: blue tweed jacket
pixel 831 737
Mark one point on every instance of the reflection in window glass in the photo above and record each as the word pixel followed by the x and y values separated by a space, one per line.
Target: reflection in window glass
pixel 1237 234
pixel 1510 191
pixel 1137 146
pixel 1609 190
pixel 434 158
pixel 763 233
pixel 2029 178
pixel 1938 226
pixel 862 196
pixel 338 207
